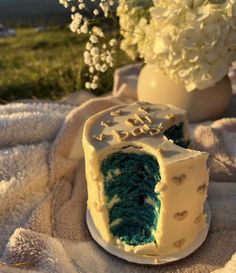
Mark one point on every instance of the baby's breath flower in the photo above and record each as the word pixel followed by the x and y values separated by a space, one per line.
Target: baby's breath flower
pixel 91 69
pixel 94 56
pixel 88 46
pixel 88 85
pixel 112 42
pixel 94 51
pixel 94 86
pixel 96 12
pixel 93 39
pixel 98 67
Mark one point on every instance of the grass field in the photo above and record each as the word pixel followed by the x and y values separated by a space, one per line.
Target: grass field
pixel 45 65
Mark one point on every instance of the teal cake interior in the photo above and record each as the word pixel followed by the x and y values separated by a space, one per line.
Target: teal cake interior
pixel 176 133
pixel 132 178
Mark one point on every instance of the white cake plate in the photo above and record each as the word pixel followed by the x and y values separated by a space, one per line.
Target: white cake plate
pixel 141 259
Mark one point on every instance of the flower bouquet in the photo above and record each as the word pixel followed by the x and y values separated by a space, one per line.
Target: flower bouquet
pixel 192 42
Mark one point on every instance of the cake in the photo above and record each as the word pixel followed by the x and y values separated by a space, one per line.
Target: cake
pixel 146 189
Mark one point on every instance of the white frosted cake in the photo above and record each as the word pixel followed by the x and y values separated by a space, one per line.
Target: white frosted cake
pixel 146 190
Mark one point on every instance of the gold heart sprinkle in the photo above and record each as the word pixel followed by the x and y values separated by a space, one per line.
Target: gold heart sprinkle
pixel 106 123
pixel 116 113
pixel 180 216
pixel 170 117
pixel 179 244
pixel 198 219
pixel 101 137
pixel 202 189
pixel 179 180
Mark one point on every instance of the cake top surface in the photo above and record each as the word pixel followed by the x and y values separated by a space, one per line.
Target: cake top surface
pixel 140 124
pixel 122 122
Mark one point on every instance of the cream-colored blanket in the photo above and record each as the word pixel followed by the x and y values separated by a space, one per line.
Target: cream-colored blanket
pixel 43 189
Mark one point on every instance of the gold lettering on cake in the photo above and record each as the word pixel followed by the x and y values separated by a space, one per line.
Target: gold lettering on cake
pixel 143 119
pixel 106 123
pixel 146 128
pixel 152 131
pixel 179 244
pixel 180 216
pixel 101 137
pixel 198 219
pixel 138 131
pixel 179 180
pixel 121 135
pixel 116 113
pixel 202 189
pixel 148 119
pixel 132 121
pixel 140 118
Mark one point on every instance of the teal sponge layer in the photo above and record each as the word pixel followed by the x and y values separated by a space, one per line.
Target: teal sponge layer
pixel 132 178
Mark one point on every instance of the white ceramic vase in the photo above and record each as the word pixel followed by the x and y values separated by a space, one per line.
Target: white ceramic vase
pixel 201 105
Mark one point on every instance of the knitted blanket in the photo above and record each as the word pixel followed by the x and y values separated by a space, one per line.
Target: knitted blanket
pixel 43 189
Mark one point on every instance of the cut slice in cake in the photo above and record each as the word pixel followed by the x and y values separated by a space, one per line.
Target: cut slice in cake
pixel 146 191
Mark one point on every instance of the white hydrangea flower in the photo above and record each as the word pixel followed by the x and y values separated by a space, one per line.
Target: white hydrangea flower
pixel 130 14
pixel 192 41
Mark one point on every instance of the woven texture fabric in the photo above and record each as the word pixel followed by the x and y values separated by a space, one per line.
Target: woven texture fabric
pixel 43 188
